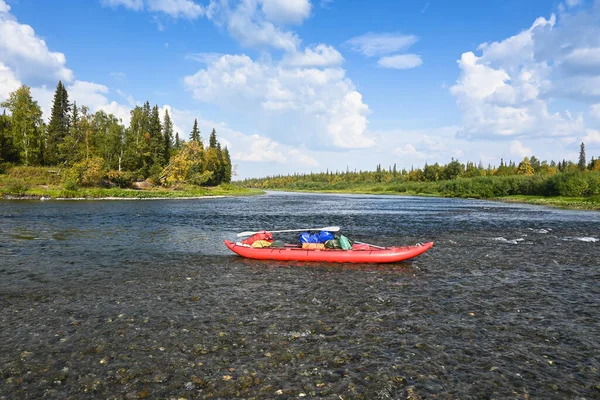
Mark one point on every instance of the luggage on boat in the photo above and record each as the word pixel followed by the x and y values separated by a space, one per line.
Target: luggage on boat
pixel 320 237
pixel 313 246
pixel 262 235
pixel 332 244
pixel 345 243
pixel 261 243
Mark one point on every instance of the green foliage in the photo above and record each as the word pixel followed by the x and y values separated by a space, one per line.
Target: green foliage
pixel 26 127
pixel 122 179
pixel 15 187
pixel 84 173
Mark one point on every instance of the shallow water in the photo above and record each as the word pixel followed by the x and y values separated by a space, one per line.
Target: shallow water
pixel 122 299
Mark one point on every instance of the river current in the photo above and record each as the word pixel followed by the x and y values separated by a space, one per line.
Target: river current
pixel 141 299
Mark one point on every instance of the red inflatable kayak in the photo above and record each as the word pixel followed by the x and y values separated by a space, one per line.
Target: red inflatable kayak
pixel 368 255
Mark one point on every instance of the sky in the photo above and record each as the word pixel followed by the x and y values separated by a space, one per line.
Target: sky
pixel 294 86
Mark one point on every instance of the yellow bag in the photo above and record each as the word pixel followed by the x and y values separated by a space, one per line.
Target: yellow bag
pixel 313 246
pixel 261 243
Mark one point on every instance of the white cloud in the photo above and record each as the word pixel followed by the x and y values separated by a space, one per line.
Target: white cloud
pixel 8 82
pixel 573 3
pixel 261 149
pixel 316 107
pixel 302 158
pixel 204 58
pixel 286 11
pixel 4 8
pixel 247 26
pixel 118 75
pixel 517 149
pixel 592 136
pixel 137 5
pixel 505 91
pixel 400 61
pixel 174 8
pixel 321 55
pixel 409 150
pixel 374 44
pixel 595 111
pixel 26 54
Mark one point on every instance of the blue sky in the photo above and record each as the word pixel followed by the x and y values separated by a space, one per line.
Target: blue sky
pixel 309 85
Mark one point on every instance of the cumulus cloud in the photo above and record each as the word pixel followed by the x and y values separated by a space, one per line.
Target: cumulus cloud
pixel 518 149
pixel 246 24
pixel 409 150
pixel 317 107
pixel 321 55
pixel 286 11
pixel 592 136
pixel 261 149
pixel 375 44
pixel 401 61
pixel 504 92
pixel 26 54
pixel 8 82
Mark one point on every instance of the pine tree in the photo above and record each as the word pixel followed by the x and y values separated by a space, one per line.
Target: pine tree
pixel 168 136
pixel 58 127
pixel 195 136
pixel 582 162
pixel 177 142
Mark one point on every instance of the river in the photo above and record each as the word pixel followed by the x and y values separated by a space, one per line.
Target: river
pixel 141 299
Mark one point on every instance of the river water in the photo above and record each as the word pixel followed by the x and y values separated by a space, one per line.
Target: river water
pixel 141 299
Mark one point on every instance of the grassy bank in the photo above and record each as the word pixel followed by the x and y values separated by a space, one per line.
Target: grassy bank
pixel 37 182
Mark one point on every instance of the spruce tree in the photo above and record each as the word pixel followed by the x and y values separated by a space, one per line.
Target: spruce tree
pixel 582 162
pixel 227 167
pixel 212 143
pixel 157 143
pixel 195 136
pixel 177 142
pixel 58 127
pixel 167 136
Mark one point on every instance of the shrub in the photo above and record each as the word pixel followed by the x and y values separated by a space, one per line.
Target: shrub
pixel 84 173
pixel 121 179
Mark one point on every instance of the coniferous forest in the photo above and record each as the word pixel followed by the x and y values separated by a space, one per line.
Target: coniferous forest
pixel 530 177
pixel 95 149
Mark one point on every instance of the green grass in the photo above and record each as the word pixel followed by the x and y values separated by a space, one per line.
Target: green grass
pixel 582 203
pixel 36 182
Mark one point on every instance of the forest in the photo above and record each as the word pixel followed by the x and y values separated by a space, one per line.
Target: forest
pixel 531 177
pixel 96 150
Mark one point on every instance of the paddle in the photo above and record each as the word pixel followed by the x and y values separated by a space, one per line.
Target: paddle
pixel 327 228
pixel 369 244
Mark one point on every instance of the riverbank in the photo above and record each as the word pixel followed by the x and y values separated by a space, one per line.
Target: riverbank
pixel 571 203
pixel 153 193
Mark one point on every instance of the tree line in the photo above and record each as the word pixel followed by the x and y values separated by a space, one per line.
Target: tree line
pixel 531 176
pixel 94 147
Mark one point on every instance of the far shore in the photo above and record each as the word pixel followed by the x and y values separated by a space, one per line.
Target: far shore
pixel 570 203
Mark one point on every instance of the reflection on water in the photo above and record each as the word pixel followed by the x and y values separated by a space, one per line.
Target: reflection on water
pixel 142 299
